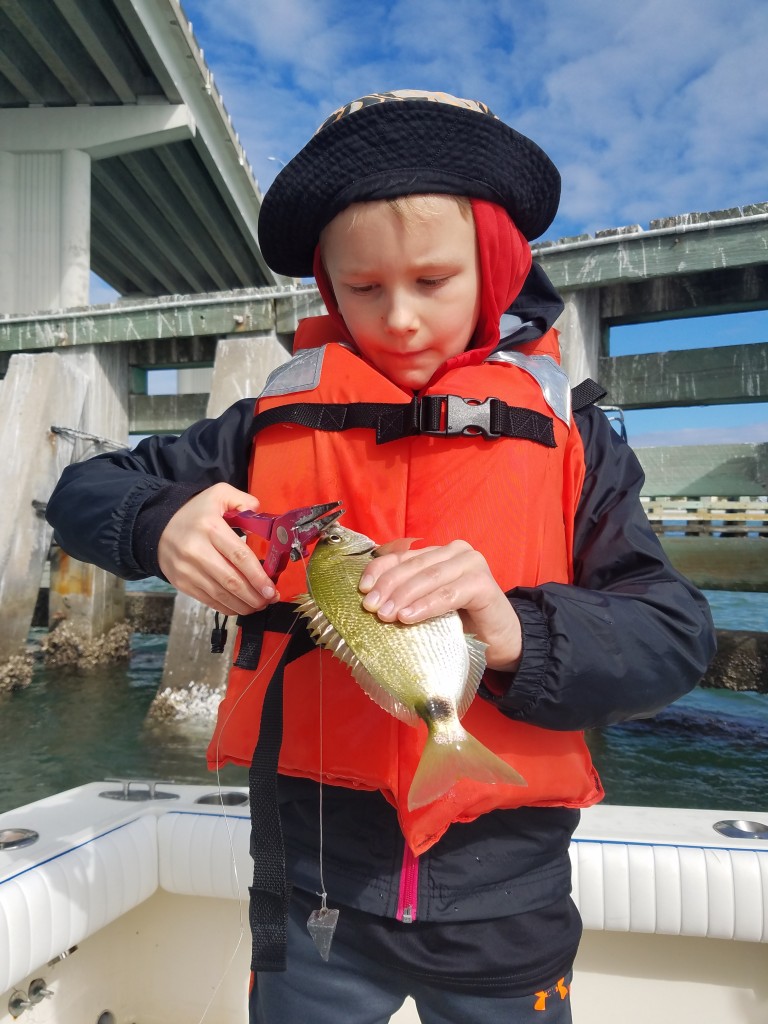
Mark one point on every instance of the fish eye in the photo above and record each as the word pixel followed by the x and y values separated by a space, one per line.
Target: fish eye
pixel 334 538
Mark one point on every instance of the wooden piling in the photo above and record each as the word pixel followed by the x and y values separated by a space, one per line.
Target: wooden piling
pixel 38 392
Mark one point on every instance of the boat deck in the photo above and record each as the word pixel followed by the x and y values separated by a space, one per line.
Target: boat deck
pixel 151 894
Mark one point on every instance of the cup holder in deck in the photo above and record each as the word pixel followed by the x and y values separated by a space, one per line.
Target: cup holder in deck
pixel 228 799
pixel 16 838
pixel 738 828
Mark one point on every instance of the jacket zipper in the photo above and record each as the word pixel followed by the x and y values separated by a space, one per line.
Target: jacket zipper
pixel 407 897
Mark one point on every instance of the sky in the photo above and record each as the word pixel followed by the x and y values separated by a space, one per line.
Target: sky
pixel 649 108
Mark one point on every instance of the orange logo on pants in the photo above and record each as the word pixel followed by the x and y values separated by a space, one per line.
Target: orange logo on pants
pixel 541 997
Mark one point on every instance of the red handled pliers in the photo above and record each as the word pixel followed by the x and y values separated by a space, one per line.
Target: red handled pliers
pixel 288 534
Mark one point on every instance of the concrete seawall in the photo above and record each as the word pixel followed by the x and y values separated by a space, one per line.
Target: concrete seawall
pixel 147 611
pixel 741 662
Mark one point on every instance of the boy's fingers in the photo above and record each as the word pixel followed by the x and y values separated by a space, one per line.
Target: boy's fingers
pixel 387 562
pixel 212 577
pixel 230 596
pixel 237 554
pixel 445 579
pixel 422 568
pixel 229 498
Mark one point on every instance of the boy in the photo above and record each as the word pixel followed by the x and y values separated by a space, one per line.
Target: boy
pixel 430 400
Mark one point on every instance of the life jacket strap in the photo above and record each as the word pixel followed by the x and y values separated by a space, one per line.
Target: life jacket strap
pixel 586 393
pixel 436 415
pixel 271 891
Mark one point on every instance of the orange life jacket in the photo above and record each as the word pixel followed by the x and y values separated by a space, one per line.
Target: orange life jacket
pixel 513 499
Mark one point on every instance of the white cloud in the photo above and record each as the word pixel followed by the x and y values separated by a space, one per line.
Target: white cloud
pixel 649 109
pixel 667 105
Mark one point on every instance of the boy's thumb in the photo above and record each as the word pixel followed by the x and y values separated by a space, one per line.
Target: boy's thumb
pixel 236 500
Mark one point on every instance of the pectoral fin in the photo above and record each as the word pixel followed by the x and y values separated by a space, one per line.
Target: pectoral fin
pixel 476 650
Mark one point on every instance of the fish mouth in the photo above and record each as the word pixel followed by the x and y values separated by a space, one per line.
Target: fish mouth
pixel 327 522
pixel 364 549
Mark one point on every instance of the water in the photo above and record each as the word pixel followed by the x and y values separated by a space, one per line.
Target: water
pixel 709 749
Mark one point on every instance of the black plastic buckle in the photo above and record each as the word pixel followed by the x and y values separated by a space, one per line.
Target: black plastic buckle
pixel 219 635
pixel 466 417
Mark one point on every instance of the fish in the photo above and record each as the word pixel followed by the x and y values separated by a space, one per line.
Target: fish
pixel 426 671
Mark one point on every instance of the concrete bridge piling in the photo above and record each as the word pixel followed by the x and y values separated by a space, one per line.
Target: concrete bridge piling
pixel 90 600
pixel 39 392
pixel 620 277
pixel 241 368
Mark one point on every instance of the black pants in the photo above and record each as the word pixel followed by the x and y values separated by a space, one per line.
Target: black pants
pixel 350 988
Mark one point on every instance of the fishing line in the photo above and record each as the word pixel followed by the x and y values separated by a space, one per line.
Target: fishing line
pixel 322 894
pixel 322 923
pixel 241 930
pixel 324 919
pixel 233 857
pixel 321 772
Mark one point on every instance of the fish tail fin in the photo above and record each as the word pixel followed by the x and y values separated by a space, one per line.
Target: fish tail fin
pixel 443 763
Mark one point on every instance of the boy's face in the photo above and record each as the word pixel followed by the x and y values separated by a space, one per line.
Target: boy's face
pixel 407 282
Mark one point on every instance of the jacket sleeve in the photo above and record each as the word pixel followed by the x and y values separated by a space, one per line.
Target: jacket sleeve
pixel 631 634
pixel 111 510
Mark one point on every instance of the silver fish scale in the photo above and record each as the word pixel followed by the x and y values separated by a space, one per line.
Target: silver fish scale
pixel 399 666
pixel 427 659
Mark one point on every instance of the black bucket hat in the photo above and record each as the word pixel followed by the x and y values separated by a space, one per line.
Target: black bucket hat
pixel 401 143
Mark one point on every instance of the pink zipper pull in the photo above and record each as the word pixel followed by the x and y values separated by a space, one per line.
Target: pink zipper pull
pixel 408 893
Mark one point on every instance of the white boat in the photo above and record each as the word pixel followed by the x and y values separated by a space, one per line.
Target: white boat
pixel 133 912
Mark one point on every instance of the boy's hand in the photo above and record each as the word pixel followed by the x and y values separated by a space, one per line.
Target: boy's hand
pixel 203 557
pixel 410 586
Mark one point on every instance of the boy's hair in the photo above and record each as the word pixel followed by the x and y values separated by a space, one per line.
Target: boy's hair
pixel 404 206
pixel 403 143
pixel 408 209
